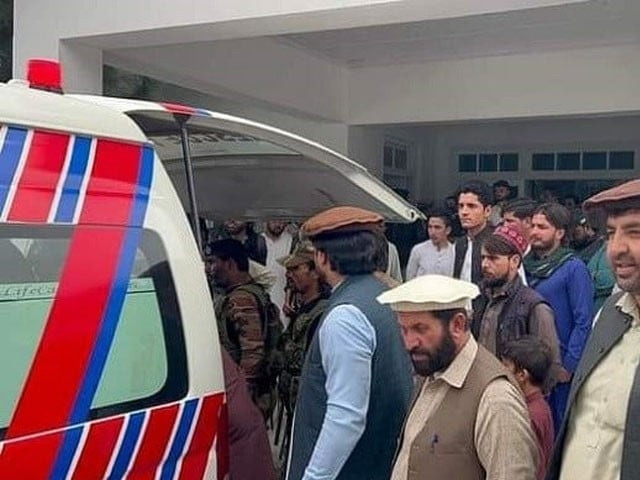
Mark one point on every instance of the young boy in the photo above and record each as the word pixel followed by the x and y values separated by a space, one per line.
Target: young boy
pixel 529 359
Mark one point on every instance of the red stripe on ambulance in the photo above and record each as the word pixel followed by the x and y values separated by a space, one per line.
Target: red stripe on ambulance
pixel 30 458
pixel 98 449
pixel 197 456
pixel 37 184
pixel 154 443
pixel 63 353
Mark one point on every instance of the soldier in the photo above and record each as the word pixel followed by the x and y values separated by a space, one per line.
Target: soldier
pixel 244 318
pixel 305 303
pixel 304 306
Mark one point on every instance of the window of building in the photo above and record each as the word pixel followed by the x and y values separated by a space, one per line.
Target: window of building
pixel 468 162
pixel 388 156
pixel 543 161
pixel 590 160
pixel 509 162
pixel 488 162
pixel 396 165
pixel 146 363
pixel 568 161
pixel 594 161
pixel 621 160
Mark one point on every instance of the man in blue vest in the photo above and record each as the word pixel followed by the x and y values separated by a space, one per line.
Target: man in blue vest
pixel 600 436
pixel 356 382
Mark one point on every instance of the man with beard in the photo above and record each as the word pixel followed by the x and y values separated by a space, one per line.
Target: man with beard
pixel 279 243
pixel 305 306
pixel 517 214
pixel 356 381
pixel 469 420
pixel 241 313
pixel 253 243
pixel 564 281
pixel 513 309
pixel 599 438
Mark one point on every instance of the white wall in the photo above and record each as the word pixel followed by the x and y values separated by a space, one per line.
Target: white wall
pixel 565 82
pixel 441 144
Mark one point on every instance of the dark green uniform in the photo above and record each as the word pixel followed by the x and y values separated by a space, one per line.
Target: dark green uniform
pixel 293 344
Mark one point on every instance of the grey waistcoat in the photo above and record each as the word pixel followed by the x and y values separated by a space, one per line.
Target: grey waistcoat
pixel 390 394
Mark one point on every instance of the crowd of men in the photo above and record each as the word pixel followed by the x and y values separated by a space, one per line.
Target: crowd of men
pixel 517 329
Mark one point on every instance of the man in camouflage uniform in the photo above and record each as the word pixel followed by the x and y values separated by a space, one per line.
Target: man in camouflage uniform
pixel 305 304
pixel 240 312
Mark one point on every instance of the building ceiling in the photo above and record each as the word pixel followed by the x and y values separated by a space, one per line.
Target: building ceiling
pixel 569 26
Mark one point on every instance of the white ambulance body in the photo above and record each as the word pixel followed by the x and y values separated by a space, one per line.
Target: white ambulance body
pixel 108 345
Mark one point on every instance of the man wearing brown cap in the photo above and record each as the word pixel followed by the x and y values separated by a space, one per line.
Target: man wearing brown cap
pixel 512 309
pixel 600 436
pixel 356 382
pixel 305 303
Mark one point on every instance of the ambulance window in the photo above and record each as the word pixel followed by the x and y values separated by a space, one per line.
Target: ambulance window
pixel 146 364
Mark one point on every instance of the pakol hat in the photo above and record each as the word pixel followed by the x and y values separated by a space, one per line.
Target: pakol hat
pixel 430 293
pixel 342 219
pixel 626 191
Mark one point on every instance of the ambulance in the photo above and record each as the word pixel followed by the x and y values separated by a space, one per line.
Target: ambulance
pixel 109 355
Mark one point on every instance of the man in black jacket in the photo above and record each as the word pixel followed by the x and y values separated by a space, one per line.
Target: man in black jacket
pixel 474 207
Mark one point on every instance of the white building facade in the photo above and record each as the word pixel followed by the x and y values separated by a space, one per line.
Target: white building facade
pixel 425 93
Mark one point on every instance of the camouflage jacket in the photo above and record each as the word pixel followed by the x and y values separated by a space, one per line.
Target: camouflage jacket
pixel 240 326
pixel 297 337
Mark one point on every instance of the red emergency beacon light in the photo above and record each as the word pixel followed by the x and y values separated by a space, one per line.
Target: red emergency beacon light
pixel 45 74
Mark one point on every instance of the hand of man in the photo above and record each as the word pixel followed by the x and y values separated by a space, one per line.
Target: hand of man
pixel 564 376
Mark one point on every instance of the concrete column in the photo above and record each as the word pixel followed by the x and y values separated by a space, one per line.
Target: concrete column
pixel 82 68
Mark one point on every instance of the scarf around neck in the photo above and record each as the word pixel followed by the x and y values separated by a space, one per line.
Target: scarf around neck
pixel 541 268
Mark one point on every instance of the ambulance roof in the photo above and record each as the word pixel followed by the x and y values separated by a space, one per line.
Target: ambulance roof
pixel 22 105
pixel 245 169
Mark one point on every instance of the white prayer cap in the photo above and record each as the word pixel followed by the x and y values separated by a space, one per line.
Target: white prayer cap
pixel 430 292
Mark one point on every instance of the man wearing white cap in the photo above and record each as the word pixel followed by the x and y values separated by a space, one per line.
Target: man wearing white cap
pixel 469 421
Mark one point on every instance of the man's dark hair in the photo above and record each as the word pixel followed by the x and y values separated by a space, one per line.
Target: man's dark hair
pixel 481 189
pixel 495 245
pixel 521 208
pixel 556 214
pixel 501 183
pixel 445 316
pixel 530 353
pixel 439 213
pixel 230 248
pixel 353 253
pixel 382 253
